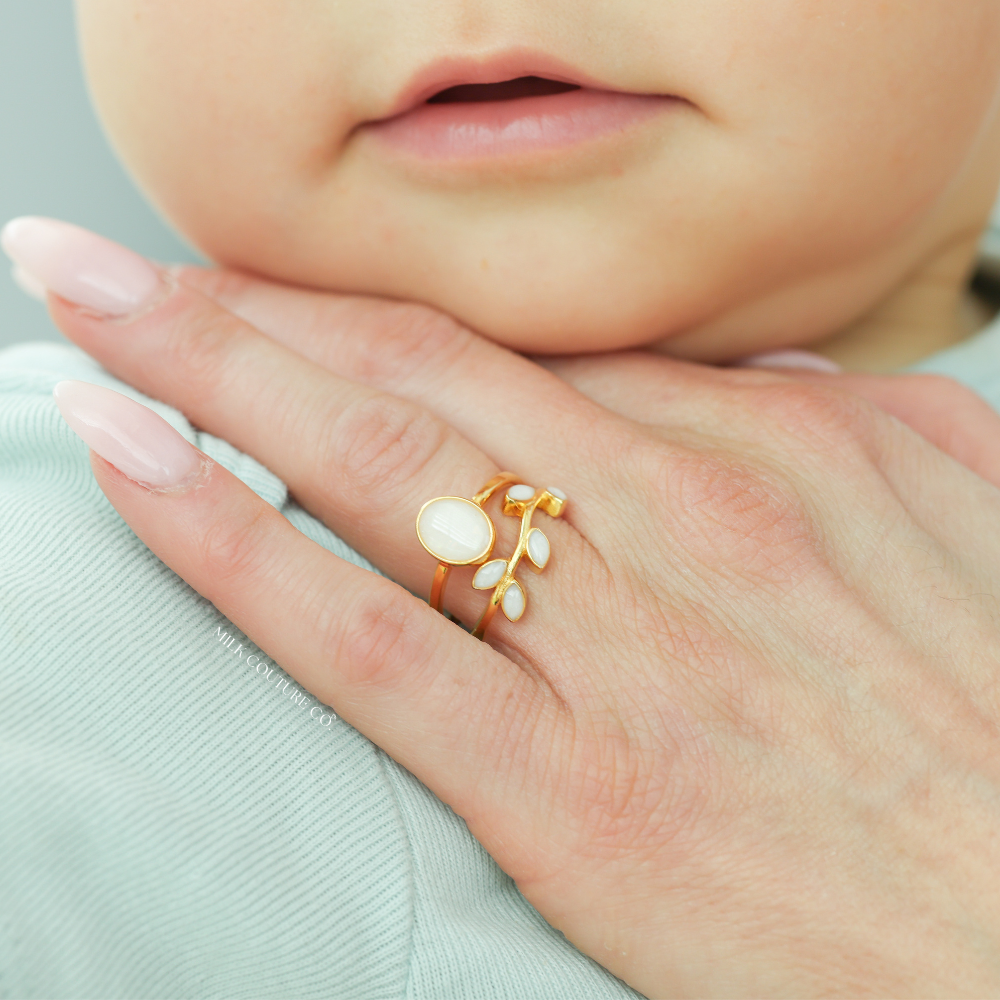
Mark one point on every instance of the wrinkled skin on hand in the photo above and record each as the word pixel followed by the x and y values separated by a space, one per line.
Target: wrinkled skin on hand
pixel 745 740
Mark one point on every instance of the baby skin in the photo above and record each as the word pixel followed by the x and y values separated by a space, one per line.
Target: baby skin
pixel 731 770
pixel 724 179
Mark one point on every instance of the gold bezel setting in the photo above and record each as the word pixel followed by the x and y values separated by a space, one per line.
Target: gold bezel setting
pixel 498 574
pixel 481 555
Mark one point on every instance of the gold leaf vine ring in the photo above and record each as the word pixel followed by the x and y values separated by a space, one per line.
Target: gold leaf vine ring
pixel 459 532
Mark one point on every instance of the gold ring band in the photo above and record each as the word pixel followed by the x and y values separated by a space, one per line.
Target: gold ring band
pixel 459 532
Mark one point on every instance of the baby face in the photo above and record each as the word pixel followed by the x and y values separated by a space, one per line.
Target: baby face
pixel 721 176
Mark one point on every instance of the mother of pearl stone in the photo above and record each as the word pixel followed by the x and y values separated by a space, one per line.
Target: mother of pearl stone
pixel 455 530
pixel 521 492
pixel 489 574
pixel 513 601
pixel 538 547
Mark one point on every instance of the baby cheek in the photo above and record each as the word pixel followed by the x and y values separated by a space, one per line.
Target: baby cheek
pixel 222 108
pixel 868 101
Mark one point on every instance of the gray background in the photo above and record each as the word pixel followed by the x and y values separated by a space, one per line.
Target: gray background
pixel 54 159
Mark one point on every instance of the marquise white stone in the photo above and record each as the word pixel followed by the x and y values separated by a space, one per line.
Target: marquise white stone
pixel 538 547
pixel 489 574
pixel 521 492
pixel 455 531
pixel 513 601
pixel 556 493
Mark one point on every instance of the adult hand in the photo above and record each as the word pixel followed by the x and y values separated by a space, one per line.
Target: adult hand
pixel 745 739
pixel 327 329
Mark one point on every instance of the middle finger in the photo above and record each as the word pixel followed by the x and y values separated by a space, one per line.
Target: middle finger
pixel 360 460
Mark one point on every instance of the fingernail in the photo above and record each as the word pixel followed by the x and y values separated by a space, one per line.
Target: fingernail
pixel 134 439
pixel 790 359
pixel 31 287
pixel 80 266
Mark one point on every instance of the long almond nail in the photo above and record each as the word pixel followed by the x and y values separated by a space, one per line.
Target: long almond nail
pixel 80 266
pixel 31 287
pixel 134 439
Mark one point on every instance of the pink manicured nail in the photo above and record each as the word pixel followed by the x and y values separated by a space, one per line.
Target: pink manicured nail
pixel 130 436
pixel 80 266
pixel 791 359
pixel 31 287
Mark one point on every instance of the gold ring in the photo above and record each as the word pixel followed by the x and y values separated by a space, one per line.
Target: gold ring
pixel 459 532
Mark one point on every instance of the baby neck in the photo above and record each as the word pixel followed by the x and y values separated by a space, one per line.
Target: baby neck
pixel 930 310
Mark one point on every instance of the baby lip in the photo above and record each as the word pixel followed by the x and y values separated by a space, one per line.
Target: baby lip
pixel 482 132
pixel 451 72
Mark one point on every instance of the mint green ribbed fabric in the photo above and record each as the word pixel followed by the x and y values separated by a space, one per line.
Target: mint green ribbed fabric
pixel 177 818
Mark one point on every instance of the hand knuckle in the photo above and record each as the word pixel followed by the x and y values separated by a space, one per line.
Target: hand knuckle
pixel 954 398
pixel 383 642
pixel 627 793
pixel 231 547
pixel 734 517
pixel 197 346
pixel 217 283
pixel 821 419
pixel 411 340
pixel 378 447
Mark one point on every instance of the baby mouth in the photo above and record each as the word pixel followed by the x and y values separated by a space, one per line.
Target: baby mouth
pixel 513 118
pixel 507 90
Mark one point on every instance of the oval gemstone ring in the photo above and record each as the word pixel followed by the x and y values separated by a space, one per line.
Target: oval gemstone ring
pixel 459 532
